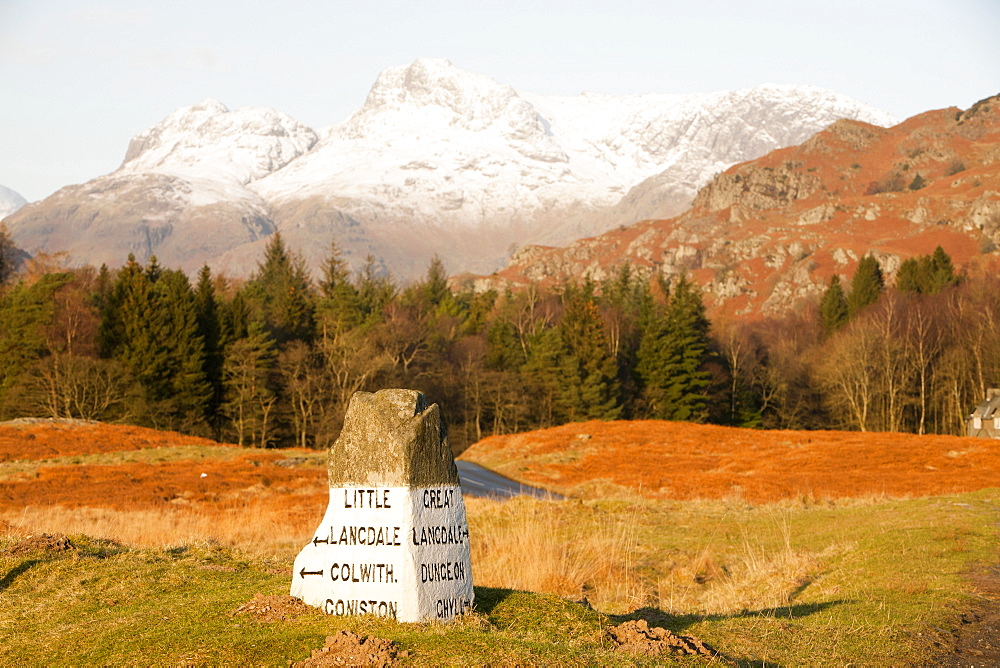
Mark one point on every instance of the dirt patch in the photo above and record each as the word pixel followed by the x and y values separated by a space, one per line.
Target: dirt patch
pixel 46 542
pixel 638 637
pixel 347 648
pixel 274 608
pixel 976 641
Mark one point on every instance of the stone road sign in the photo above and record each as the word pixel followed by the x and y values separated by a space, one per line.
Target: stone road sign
pixel 394 540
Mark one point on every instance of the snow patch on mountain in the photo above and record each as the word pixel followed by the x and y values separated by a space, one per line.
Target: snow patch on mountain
pixel 216 150
pixel 437 161
pixel 447 147
pixel 10 201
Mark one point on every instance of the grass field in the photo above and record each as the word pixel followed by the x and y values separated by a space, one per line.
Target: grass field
pixel 164 555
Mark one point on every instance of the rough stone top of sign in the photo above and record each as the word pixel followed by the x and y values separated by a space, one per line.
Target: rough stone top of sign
pixel 392 438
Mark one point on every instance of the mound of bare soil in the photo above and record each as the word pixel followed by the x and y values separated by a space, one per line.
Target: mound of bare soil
pixel 274 608
pixel 638 637
pixel 46 542
pixel 347 648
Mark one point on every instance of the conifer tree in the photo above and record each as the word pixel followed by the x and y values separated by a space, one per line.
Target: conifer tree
pixel 544 374
pixel 188 392
pixel 279 295
pixel 621 305
pixel 150 324
pixel 110 301
pixel 210 331
pixel 153 269
pixel 689 328
pixel 376 290
pixel 25 314
pixel 476 309
pixel 590 388
pixel 103 288
pixel 339 305
pixel 833 307
pixel 435 285
pixel 927 274
pixel 909 277
pixel 135 328
pixel 673 354
pixel 505 351
pixel 942 272
pixel 234 319
pixel 866 285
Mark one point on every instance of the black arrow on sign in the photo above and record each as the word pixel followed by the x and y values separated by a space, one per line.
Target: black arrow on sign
pixel 304 572
pixel 318 540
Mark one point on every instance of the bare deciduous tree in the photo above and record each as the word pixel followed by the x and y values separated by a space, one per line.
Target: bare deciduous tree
pixel 63 385
pixel 302 375
pixel 848 375
pixel 249 400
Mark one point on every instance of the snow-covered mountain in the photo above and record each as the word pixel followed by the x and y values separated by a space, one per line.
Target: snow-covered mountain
pixel 10 202
pixel 217 150
pixel 437 160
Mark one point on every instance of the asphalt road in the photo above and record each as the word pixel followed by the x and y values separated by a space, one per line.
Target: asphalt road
pixel 479 481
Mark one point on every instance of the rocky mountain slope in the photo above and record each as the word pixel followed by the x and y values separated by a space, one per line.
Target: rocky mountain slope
pixel 770 232
pixel 437 160
pixel 10 201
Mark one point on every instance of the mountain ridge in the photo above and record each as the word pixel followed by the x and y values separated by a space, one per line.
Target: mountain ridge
pixel 446 161
pixel 769 233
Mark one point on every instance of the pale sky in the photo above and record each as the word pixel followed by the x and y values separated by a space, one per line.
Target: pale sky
pixel 79 78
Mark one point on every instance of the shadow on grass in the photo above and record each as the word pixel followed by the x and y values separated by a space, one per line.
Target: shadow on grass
pixel 13 573
pixel 679 623
pixel 98 548
pixel 491 599
pixel 488 598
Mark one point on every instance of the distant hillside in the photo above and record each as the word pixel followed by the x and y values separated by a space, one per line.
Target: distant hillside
pixel 436 161
pixel 769 232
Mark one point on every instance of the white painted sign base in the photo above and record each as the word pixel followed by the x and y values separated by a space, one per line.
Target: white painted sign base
pixel 399 552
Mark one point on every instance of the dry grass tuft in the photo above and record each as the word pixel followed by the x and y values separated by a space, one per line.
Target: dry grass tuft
pixel 755 580
pixel 575 550
pixel 556 547
pixel 256 528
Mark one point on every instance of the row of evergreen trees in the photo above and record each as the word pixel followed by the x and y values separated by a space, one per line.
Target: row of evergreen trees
pixel 274 360
pixel 928 274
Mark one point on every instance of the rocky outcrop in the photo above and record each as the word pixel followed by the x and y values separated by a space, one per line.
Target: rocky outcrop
pixel 767 235
pixel 757 188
